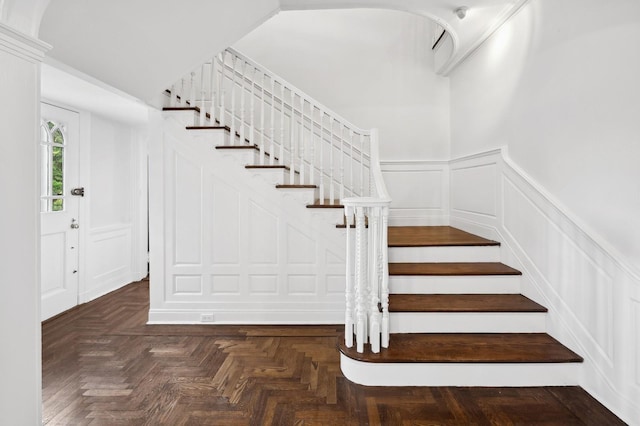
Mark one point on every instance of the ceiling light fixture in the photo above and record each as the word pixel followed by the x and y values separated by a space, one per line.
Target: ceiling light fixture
pixel 461 12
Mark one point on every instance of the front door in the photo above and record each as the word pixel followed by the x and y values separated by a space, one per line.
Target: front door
pixel 59 219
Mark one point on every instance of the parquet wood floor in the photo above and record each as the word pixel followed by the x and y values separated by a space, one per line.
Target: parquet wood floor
pixel 103 366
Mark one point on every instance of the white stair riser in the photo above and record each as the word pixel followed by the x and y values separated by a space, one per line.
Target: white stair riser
pixel 467 322
pixel 211 137
pixel 185 118
pixel 304 196
pixel 331 216
pixel 272 176
pixel 460 374
pixel 241 157
pixel 491 284
pixel 445 254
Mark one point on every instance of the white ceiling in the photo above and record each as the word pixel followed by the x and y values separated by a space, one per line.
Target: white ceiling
pixel 142 46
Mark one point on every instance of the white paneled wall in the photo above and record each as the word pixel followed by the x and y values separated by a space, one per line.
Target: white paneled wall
pixel 229 247
pixel 419 191
pixel 113 210
pixel 592 295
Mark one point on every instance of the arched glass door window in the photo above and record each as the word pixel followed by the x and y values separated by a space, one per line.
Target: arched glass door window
pixel 52 145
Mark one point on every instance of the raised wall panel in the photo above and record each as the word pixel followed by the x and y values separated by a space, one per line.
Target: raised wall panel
pixel 187 284
pixel 473 189
pixel 52 249
pixel 263 235
pixel 225 284
pixel 583 285
pixel 110 253
pixel 302 284
pixel 300 248
pixel 419 191
pixel 187 188
pixel 225 225
pixel 263 284
pixel 414 189
pixel 336 284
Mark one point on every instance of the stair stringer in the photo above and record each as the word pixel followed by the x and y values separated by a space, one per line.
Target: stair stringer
pixel 226 244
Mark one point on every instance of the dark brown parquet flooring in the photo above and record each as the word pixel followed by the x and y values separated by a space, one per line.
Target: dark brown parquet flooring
pixel 102 365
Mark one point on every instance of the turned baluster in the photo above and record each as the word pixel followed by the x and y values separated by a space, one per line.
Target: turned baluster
pixel 321 171
pixel 222 89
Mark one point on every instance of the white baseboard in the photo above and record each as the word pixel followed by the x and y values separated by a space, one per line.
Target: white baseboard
pixel 264 317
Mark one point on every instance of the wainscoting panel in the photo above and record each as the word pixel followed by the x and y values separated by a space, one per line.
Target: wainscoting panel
pixel 110 263
pixel 419 192
pixel 225 223
pixel 187 185
pixel 239 249
pixel 188 285
pixel 475 183
pixel 587 289
pixel 560 262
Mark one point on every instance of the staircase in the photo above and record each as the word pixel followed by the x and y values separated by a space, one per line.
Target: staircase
pixel 424 305
pixel 459 320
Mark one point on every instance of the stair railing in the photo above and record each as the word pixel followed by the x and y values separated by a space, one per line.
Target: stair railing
pixel 318 148
pixel 367 275
pixel 288 127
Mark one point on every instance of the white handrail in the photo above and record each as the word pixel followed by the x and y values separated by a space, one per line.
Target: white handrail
pixel 304 135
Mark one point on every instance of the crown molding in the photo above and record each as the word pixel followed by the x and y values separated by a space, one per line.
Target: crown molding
pixel 22 45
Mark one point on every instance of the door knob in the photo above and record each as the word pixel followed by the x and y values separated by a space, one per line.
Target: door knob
pixel 74 224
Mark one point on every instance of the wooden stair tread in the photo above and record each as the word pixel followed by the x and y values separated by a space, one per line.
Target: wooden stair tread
pixel 207 128
pixel 428 236
pixel 467 348
pixel 326 205
pixel 181 109
pixel 253 147
pixel 462 303
pixel 452 268
pixel 296 186
pixel 266 166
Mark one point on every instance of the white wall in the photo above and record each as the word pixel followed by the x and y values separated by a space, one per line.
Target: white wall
pixel 558 85
pixel 373 67
pixel 114 176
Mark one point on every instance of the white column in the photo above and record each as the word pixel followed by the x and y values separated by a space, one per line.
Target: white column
pixel 20 369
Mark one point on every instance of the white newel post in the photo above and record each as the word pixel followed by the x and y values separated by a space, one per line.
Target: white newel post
pixel 369 256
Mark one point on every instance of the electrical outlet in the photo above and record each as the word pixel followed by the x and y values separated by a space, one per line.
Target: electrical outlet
pixel 206 317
